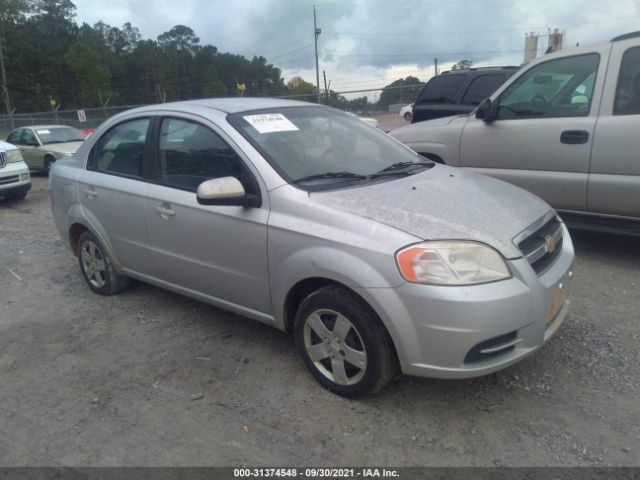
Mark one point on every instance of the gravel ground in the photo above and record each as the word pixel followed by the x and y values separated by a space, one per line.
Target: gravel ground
pixel 151 378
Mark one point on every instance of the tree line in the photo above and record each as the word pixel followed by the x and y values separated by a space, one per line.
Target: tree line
pixel 50 61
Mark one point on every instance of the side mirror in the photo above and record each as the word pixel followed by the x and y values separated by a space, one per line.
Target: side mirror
pixel 486 111
pixel 225 191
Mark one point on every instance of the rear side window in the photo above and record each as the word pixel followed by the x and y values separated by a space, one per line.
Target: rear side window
pixel 190 153
pixel 627 100
pixel 482 87
pixel 442 89
pixel 120 151
pixel 15 137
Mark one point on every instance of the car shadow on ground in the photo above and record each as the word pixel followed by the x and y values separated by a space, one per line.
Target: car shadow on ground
pixel 603 246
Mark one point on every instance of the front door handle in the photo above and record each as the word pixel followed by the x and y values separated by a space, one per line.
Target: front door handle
pixel 574 137
pixel 165 210
pixel 90 192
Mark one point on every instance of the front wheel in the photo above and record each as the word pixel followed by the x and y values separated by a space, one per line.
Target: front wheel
pixel 343 343
pixel 407 116
pixel 18 196
pixel 97 268
pixel 48 163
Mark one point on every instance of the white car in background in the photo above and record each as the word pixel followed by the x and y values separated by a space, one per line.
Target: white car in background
pixel 372 122
pixel 15 181
pixel 406 112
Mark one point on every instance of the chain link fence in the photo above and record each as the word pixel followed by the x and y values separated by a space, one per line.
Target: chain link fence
pixel 92 117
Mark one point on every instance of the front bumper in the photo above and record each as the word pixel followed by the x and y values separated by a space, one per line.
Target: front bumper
pixel 14 178
pixel 461 332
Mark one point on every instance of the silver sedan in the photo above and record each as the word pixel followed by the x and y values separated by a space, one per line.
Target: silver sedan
pixel 304 218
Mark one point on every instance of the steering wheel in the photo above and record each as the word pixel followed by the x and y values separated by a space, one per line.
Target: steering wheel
pixel 539 103
pixel 506 107
pixel 334 153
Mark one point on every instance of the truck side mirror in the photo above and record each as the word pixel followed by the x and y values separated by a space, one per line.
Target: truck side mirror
pixel 485 111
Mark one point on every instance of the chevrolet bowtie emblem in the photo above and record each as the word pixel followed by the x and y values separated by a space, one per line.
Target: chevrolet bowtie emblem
pixel 550 245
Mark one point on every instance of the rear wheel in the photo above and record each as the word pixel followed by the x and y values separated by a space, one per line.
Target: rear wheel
pixel 343 343
pixel 407 116
pixel 97 268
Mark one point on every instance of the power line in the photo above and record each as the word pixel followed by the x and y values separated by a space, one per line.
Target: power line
pixel 431 33
pixel 419 54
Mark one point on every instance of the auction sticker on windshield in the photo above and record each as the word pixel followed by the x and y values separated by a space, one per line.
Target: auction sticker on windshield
pixel 43 132
pixel 270 123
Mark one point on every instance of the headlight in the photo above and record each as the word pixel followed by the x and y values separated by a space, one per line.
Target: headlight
pixel 451 263
pixel 13 156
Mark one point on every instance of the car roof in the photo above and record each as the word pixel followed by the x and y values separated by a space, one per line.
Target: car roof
pixel 228 105
pixel 46 126
pixel 480 70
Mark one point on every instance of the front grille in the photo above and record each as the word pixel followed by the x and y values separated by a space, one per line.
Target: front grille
pixel 3 159
pixel 492 347
pixel 543 246
pixel 11 179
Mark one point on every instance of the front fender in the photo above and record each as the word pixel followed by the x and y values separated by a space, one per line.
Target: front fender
pixel 330 264
pixel 365 280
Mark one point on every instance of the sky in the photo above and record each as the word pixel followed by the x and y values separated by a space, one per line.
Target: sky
pixel 366 44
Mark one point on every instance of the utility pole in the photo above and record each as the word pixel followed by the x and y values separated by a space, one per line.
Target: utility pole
pixel 316 32
pixel 326 89
pixel 436 67
pixel 5 90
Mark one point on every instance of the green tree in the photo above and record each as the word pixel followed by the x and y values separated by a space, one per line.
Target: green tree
pixel 91 77
pixel 13 10
pixel 302 90
pixel 52 56
pixel 404 90
pixel 462 65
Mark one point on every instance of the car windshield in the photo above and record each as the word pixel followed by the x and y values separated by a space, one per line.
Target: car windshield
pixel 59 135
pixel 318 147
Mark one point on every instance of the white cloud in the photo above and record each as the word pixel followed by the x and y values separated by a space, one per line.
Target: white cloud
pixel 369 43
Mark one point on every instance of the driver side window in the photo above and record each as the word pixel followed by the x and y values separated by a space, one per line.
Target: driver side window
pixel 190 153
pixel 28 138
pixel 557 88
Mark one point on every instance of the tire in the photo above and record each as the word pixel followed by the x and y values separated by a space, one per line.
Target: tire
pixel 97 268
pixel 320 320
pixel 48 163
pixel 407 116
pixel 17 196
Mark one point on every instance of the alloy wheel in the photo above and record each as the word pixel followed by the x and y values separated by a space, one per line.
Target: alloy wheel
pixel 93 264
pixel 335 347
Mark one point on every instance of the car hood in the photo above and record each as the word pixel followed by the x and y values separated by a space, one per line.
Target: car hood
pixel 67 147
pixel 428 128
pixel 445 203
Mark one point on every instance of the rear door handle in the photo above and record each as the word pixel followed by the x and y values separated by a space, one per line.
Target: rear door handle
pixel 574 137
pixel 165 210
pixel 90 192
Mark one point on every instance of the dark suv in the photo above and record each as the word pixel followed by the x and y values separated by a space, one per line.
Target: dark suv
pixel 458 91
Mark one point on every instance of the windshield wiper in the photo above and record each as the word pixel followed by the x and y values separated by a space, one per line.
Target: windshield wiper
pixel 319 176
pixel 400 168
